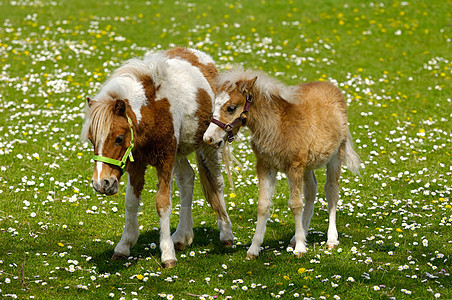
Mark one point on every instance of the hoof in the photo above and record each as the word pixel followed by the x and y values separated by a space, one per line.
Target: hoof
pixel 251 257
pixel 299 254
pixel 331 246
pixel 179 246
pixel 117 256
pixel 228 243
pixel 169 264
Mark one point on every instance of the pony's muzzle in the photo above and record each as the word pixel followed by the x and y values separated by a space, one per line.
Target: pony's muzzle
pixel 214 137
pixel 107 186
pixel 216 144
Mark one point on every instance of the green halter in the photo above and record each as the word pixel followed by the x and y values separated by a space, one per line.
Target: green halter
pixel 120 163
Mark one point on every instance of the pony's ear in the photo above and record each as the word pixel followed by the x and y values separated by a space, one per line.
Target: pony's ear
pixel 245 86
pixel 120 108
pixel 89 102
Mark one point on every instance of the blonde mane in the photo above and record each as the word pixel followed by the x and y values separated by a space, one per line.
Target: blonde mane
pixel 99 118
pixel 269 88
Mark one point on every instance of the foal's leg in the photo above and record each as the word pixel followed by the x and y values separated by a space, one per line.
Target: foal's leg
pixel 163 205
pixel 185 178
pixel 131 231
pixel 310 191
pixel 267 180
pixel 295 177
pixel 209 167
pixel 333 172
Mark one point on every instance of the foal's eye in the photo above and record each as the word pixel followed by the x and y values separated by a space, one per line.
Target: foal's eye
pixel 119 140
pixel 232 108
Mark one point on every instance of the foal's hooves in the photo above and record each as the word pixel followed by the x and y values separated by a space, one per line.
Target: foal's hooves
pixel 169 264
pixel 228 243
pixel 251 257
pixel 117 256
pixel 179 246
pixel 331 246
pixel 299 254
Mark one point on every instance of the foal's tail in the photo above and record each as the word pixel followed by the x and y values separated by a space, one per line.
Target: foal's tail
pixel 352 160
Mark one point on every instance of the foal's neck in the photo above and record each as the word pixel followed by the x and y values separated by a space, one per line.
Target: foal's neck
pixel 263 116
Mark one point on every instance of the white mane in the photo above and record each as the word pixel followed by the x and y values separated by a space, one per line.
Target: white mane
pixel 123 84
pixel 265 85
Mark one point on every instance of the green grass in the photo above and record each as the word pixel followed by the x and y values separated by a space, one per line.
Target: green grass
pixel 391 59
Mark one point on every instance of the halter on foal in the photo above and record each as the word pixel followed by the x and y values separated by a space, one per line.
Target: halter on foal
pixel 127 155
pixel 242 119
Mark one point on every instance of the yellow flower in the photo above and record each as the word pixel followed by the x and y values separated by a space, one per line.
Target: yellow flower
pixel 399 230
pixel 140 277
pixel 61 244
pixel 286 277
pixel 301 270
pixel 232 195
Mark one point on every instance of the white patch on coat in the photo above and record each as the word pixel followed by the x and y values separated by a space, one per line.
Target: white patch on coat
pixel 203 58
pixel 220 100
pixel 98 163
pixel 180 87
pixel 127 87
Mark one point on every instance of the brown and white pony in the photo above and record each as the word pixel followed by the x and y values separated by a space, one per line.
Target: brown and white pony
pixel 168 98
pixel 294 129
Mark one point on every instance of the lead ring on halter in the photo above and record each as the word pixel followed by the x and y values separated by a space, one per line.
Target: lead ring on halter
pixel 128 154
pixel 228 127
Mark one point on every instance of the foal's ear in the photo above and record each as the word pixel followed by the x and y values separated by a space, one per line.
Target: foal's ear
pixel 120 108
pixel 245 86
pixel 89 102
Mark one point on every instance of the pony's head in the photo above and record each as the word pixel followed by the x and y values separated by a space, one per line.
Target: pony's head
pixel 109 128
pixel 229 113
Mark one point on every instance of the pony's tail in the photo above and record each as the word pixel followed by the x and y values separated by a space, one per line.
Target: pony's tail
pixel 352 160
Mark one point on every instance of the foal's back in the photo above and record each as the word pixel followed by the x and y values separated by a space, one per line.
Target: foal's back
pixel 321 118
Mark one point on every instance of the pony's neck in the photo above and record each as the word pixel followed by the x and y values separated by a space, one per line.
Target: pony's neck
pixel 263 116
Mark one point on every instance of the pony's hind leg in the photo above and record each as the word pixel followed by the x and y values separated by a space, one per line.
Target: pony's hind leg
pixel 295 178
pixel 267 180
pixel 333 171
pixel 310 192
pixel 131 231
pixel 209 167
pixel 185 178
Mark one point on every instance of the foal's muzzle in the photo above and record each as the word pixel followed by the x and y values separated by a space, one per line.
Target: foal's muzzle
pixel 107 186
pixel 216 144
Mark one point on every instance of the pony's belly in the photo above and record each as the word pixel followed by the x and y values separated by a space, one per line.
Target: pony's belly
pixel 185 149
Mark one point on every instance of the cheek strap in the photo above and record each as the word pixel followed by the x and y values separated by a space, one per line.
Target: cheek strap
pixel 128 154
pixel 242 118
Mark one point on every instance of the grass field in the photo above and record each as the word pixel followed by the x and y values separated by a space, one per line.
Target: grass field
pixel 392 59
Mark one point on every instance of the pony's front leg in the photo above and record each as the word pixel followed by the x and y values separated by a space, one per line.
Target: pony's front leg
pixel 185 178
pixel 163 205
pixel 129 237
pixel 295 178
pixel 267 180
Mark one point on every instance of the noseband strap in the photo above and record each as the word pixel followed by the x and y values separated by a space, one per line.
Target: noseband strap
pixel 242 118
pixel 128 154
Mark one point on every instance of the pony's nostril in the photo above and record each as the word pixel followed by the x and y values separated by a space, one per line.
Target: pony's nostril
pixel 219 144
pixel 105 183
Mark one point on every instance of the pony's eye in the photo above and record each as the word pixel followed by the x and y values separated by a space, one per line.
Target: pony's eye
pixel 119 140
pixel 232 108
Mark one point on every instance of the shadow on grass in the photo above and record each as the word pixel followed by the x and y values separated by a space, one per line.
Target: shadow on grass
pixel 204 238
